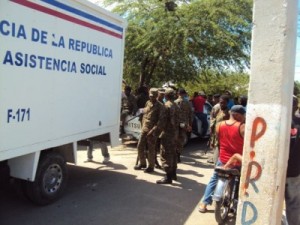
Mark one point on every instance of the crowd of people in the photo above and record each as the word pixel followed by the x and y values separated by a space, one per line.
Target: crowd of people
pixel 164 118
pixel 168 113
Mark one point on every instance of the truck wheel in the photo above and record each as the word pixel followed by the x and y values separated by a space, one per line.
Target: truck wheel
pixel 50 180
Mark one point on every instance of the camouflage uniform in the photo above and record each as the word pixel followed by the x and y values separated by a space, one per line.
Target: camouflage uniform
pixel 128 106
pixel 151 127
pixel 219 116
pixel 185 121
pixel 168 141
pixel 161 94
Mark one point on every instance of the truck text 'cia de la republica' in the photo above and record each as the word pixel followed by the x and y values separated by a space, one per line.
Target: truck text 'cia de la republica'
pixel 61 66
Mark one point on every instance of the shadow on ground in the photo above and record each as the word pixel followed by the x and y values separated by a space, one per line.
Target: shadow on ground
pixel 104 197
pixel 110 197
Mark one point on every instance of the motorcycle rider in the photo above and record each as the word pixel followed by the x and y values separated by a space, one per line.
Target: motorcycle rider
pixel 231 140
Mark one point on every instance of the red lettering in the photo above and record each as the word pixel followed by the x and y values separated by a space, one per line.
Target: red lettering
pixel 256 135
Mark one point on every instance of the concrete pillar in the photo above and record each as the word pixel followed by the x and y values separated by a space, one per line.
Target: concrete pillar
pixel 268 112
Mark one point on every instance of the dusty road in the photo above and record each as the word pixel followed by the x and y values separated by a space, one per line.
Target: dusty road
pixel 115 194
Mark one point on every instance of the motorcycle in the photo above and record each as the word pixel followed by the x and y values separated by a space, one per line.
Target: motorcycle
pixel 226 193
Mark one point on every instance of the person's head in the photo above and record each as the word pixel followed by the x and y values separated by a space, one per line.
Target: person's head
pixel 127 90
pixel 295 104
pixel 153 93
pixel 202 94
pixel 243 100
pixel 229 93
pixel 238 113
pixel 216 98
pixel 181 92
pixel 142 90
pixel 161 94
pixel 169 94
pixel 223 101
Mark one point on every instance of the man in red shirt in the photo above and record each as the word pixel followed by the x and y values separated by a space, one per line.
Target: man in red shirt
pixel 231 141
pixel 198 103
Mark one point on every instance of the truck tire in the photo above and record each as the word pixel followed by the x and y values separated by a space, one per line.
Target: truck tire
pixel 50 180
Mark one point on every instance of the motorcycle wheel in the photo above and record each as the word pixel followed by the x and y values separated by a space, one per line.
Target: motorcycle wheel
pixel 223 206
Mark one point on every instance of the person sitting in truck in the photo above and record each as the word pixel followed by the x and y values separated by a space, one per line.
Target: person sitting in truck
pixel 128 107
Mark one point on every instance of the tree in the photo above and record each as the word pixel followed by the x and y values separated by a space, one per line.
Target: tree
pixel 297 88
pixel 213 82
pixel 182 44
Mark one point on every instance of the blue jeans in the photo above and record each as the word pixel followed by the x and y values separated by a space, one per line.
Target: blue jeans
pixel 103 147
pixel 292 200
pixel 203 118
pixel 210 188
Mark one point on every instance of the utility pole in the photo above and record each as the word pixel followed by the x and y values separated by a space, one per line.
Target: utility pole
pixel 268 122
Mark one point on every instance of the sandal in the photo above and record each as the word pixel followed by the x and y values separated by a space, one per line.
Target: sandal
pixel 202 208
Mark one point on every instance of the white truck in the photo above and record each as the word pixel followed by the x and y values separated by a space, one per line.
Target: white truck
pixel 60 84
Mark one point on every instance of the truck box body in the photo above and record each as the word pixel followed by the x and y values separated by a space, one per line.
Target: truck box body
pixel 60 74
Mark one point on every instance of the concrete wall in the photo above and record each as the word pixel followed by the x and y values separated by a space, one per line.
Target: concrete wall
pixel 268 112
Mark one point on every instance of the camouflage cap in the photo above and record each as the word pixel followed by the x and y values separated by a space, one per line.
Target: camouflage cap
pixel 201 93
pixel 161 90
pixel 169 91
pixel 153 92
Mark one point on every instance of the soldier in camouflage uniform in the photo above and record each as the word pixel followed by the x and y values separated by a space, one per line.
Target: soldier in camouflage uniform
pixel 168 138
pixel 128 106
pixel 221 114
pixel 185 120
pixel 151 128
pixel 160 98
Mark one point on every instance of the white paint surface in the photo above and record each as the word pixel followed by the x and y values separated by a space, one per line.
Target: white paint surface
pixel 64 106
pixel 270 94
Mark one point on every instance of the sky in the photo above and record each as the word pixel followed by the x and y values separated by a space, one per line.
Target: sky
pixel 297 68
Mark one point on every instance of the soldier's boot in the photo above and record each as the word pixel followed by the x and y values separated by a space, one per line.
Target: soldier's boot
pixel 174 175
pixel 139 167
pixel 166 180
pixel 149 170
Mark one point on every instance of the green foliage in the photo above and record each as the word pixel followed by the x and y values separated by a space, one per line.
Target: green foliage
pixel 199 36
pixel 297 88
pixel 212 82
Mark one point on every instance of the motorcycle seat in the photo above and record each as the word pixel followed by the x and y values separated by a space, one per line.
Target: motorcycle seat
pixel 233 171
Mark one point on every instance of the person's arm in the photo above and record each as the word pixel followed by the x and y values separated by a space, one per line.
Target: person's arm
pixel 218 127
pixel 157 129
pixel 135 107
pixel 233 159
pixel 242 129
